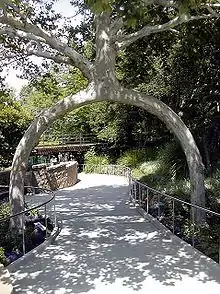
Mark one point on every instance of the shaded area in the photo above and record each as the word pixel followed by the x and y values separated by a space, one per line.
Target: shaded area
pixel 106 246
pixel 36 226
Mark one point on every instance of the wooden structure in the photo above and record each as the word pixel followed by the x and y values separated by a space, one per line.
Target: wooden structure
pixel 80 143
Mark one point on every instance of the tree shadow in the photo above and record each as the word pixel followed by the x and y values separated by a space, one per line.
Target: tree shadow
pixel 105 246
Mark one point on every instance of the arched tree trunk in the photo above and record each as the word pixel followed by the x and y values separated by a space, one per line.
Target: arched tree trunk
pixel 30 139
pixel 95 92
pixel 104 86
pixel 183 134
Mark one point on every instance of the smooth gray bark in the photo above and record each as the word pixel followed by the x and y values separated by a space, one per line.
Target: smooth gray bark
pixel 122 95
pixel 103 86
pixel 30 139
pixel 180 130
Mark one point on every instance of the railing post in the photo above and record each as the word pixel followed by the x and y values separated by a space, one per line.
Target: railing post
pixel 147 208
pixel 193 227
pixel 23 233
pixel 173 216
pixel 219 249
pixel 45 213
pixel 139 192
pixel 129 187
pixel 54 209
pixel 158 211
pixel 133 193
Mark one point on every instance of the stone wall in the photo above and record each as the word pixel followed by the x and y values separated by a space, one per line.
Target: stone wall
pixel 56 176
pixel 40 176
pixel 51 177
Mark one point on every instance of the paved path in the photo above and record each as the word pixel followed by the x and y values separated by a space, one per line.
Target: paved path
pixel 105 247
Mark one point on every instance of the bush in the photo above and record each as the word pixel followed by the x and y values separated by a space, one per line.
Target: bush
pixel 133 158
pixel 213 191
pixel 93 161
pixel 2 256
pixel 4 209
pixel 150 167
pixel 11 241
pixel 91 158
pixel 173 161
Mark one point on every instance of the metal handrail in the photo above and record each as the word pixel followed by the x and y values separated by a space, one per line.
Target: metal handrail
pixel 135 194
pixel 25 211
pixel 81 139
pixel 177 199
pixel 29 209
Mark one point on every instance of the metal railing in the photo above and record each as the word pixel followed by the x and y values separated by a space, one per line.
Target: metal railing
pixel 176 214
pixel 30 206
pixel 79 139
pixel 116 170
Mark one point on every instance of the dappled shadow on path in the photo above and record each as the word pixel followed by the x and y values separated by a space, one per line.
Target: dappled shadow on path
pixel 106 246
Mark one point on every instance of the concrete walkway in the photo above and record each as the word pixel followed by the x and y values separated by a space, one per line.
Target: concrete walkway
pixel 105 247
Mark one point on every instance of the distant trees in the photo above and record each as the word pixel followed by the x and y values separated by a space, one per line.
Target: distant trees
pixel 33 29
pixel 14 120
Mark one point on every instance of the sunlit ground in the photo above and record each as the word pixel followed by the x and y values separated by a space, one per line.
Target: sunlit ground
pixel 105 246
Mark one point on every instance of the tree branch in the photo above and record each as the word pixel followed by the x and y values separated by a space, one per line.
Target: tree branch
pixel 33 30
pixel 116 26
pixel 125 40
pixel 165 3
pixel 11 32
pixel 48 55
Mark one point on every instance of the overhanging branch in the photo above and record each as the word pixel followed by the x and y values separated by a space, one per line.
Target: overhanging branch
pixel 125 40
pixel 48 55
pixel 165 3
pixel 38 41
pixel 11 32
pixel 34 32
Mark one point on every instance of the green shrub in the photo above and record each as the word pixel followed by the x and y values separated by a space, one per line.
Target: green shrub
pixel 91 158
pixel 133 158
pixel 173 161
pixel 4 209
pixel 213 191
pixel 150 167
pixel 4 226
pixel 137 174
pixel 93 161
pixel 2 255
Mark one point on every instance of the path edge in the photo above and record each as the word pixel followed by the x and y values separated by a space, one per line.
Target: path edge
pixel 14 266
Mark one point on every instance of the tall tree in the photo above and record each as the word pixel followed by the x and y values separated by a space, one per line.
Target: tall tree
pixel 32 28
pixel 14 119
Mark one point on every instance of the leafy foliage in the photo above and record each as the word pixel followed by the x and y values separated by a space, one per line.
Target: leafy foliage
pixel 13 120
pixel 132 158
pixel 173 161
pixel 91 158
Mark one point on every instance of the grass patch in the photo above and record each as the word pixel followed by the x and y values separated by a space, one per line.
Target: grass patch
pixel 133 158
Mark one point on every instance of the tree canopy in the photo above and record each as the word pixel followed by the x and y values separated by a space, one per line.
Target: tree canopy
pixel 14 119
pixel 35 29
pixel 108 29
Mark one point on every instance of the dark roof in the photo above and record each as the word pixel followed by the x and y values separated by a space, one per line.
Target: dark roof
pixel 49 149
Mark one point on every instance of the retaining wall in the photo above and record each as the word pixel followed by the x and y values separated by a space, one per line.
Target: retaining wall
pixel 52 177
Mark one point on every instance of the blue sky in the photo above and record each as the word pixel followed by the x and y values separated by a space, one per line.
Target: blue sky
pixel 62 6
